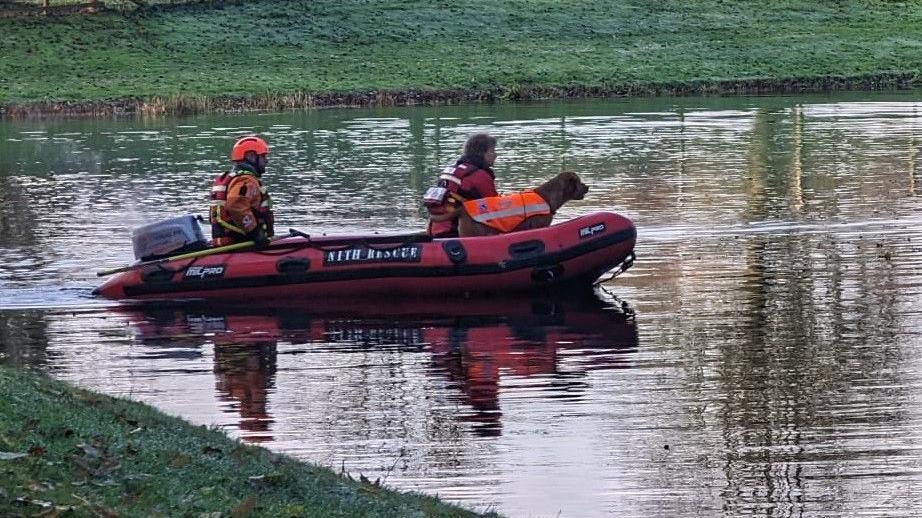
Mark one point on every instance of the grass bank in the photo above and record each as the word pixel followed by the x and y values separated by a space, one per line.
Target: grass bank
pixel 276 54
pixel 68 450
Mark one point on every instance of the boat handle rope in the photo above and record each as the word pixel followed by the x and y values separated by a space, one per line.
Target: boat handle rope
pixel 626 308
pixel 616 271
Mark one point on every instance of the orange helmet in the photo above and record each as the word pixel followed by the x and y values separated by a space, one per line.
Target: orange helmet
pixel 251 143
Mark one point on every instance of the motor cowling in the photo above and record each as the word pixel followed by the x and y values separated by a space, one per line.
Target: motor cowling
pixel 168 237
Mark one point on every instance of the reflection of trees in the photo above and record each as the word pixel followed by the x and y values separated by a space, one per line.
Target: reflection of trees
pixel 16 215
pixel 767 157
pixel 24 338
pixel 795 169
pixel 421 169
pixel 817 328
pixel 563 144
pixel 914 169
pixel 806 348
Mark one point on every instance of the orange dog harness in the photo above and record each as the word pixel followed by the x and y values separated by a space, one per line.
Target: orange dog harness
pixel 504 213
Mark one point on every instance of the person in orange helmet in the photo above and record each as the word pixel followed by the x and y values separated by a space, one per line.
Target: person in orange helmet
pixel 241 209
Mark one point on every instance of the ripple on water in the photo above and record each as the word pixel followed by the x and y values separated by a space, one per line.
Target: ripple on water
pixel 765 359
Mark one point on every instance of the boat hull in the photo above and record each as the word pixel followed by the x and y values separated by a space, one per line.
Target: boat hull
pixel 575 252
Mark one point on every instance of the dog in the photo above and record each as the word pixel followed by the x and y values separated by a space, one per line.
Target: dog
pixel 555 192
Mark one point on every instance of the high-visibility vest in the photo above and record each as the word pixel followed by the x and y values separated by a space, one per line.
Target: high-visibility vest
pixel 504 213
pixel 222 229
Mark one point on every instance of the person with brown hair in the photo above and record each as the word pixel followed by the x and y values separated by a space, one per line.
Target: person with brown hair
pixel 470 178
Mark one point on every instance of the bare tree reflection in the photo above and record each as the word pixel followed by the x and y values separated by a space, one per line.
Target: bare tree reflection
pixel 24 338
pixel 820 323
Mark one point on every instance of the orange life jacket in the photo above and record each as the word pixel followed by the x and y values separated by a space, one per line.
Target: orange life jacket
pixel 504 213
pixel 223 230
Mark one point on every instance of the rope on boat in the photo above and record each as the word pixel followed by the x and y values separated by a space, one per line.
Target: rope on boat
pixel 621 268
pixel 618 270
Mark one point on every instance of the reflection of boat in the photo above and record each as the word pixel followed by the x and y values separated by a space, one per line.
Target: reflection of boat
pixel 558 341
pixel 576 251
pixel 551 342
pixel 243 376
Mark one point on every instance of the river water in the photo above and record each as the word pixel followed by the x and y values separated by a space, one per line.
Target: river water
pixel 763 356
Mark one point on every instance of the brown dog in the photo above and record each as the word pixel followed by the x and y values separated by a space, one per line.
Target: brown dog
pixel 556 191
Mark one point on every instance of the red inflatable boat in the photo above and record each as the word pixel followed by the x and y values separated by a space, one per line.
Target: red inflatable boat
pixel 575 252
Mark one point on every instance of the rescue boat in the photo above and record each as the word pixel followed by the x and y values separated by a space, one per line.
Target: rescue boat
pixel 571 253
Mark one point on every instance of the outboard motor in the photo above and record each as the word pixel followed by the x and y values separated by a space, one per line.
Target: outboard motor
pixel 168 237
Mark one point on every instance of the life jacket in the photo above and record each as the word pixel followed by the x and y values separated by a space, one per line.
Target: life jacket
pixel 504 213
pixel 223 231
pixel 447 194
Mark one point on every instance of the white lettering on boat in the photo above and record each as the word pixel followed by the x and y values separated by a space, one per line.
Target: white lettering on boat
pixel 359 255
pixel 204 272
pixel 591 230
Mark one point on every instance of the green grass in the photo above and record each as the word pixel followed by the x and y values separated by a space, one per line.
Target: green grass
pixel 283 48
pixel 123 5
pixel 89 454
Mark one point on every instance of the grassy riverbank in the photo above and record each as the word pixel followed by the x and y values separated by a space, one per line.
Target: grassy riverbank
pixel 286 53
pixel 67 449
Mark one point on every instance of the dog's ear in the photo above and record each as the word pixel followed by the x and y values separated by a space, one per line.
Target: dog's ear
pixel 575 189
pixel 572 182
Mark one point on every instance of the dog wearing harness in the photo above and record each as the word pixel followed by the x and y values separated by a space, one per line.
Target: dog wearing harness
pixel 519 211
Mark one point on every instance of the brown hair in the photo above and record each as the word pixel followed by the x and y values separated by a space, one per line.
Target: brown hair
pixel 478 144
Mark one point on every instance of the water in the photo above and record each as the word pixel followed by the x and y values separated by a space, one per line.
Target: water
pixel 761 357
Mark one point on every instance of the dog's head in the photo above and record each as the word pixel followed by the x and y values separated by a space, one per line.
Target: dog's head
pixel 573 188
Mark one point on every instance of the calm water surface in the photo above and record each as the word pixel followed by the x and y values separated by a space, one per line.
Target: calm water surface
pixel 763 356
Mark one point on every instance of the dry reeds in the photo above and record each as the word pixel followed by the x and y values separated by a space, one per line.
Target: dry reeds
pixel 269 101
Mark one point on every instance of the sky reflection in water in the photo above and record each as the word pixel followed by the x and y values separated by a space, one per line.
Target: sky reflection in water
pixel 771 337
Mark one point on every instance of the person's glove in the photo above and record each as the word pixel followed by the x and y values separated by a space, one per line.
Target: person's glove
pixel 261 236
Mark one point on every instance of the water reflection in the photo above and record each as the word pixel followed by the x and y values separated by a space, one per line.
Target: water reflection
pixel 243 376
pixel 480 348
pixel 23 339
pixel 776 348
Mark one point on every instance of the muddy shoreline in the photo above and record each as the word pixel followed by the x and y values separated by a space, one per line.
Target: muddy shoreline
pixel 193 104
